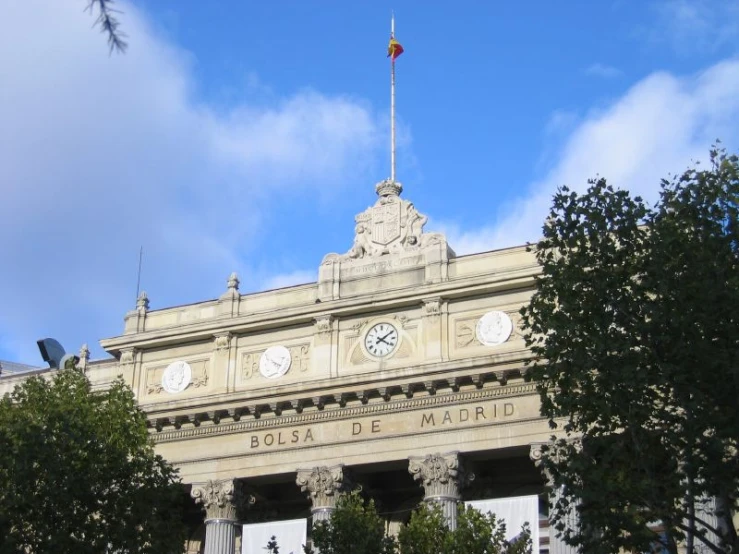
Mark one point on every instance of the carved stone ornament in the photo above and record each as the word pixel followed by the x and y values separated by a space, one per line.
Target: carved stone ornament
pixel 323 485
pixel 323 324
pixel 441 475
pixel 391 225
pixel 219 498
pixel 494 328
pixel 176 377
pixel 223 341
pixel 275 362
pixel 126 356
pixel 432 306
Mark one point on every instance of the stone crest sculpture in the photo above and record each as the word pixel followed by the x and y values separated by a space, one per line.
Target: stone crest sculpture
pixel 392 225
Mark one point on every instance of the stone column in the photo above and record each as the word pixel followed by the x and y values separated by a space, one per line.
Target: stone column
pixel 705 509
pixel 220 500
pixel 323 485
pixel 556 544
pixel 442 477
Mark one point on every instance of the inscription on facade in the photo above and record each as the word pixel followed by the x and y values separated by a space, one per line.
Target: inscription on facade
pixel 390 425
pixel 379 267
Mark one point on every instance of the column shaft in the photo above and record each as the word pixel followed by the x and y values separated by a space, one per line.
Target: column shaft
pixel 220 536
pixel 556 544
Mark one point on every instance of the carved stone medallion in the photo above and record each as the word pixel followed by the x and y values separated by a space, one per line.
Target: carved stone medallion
pixel 494 328
pixel 176 377
pixel 275 362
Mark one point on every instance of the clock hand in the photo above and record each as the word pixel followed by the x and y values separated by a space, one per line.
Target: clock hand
pixel 386 336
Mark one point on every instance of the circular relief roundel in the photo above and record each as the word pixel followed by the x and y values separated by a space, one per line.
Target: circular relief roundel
pixel 176 377
pixel 494 328
pixel 275 362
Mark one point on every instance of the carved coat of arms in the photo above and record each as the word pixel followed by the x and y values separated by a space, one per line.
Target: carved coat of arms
pixel 391 225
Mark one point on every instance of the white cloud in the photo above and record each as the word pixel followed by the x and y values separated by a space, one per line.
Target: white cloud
pixel 656 128
pixel 695 25
pixel 100 154
pixel 298 277
pixel 604 71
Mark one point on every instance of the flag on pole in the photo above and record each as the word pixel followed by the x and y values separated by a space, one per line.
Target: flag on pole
pixel 394 49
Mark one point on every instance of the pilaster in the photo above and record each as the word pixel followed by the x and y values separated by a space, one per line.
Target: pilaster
pixel 432 326
pixel 322 358
pixel 223 360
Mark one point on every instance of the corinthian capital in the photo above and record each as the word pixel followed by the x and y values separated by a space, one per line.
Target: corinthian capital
pixel 219 498
pixel 442 475
pixel 323 485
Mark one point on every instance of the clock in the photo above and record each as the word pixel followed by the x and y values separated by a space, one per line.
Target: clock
pixel 381 340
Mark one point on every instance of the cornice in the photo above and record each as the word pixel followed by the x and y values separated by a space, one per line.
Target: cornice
pixel 520 278
pixel 435 375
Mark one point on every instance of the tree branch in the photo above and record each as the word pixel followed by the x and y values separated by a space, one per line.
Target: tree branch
pixel 108 24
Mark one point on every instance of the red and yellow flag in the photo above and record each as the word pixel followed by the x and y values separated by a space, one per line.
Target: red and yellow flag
pixel 394 49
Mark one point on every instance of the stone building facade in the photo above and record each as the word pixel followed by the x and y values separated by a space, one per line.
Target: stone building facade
pixel 400 370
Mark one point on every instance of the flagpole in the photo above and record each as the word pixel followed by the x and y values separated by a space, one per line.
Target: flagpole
pixel 392 104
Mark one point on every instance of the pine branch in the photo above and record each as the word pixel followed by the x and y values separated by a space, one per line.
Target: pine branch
pixel 108 24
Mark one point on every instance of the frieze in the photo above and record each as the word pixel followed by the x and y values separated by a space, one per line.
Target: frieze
pixel 392 426
pixel 438 401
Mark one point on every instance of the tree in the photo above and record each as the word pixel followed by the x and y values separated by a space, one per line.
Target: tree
pixel 78 472
pixel 475 533
pixel 356 528
pixel 634 328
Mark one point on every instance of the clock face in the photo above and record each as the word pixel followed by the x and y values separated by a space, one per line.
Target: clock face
pixel 381 340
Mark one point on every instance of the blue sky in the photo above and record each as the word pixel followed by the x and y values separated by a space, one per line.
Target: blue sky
pixel 244 136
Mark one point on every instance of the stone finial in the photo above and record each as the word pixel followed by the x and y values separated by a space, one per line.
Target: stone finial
pixel 84 357
pixel 323 485
pixel 220 499
pixel 442 475
pixel 142 302
pixel 233 282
